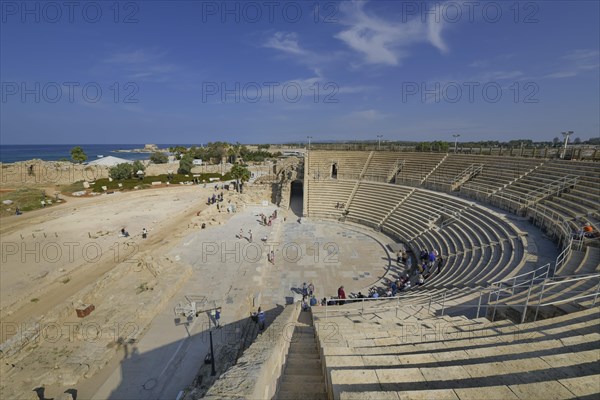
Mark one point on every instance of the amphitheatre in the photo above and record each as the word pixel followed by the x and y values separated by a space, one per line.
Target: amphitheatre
pixel 511 312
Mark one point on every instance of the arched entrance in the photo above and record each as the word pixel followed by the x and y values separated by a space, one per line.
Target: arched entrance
pixel 334 170
pixel 297 197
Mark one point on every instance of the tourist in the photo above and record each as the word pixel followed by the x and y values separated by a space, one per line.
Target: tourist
pixel 218 317
pixel 304 291
pixel 440 263
pixel 261 319
pixel 431 258
pixel 394 288
pixel 304 305
pixel 341 295
pixel 250 235
pixel 311 289
pixel 324 301
pixel 313 301
pixel 124 233
pixel 409 263
pixel 144 233
pixel 398 256
pixel 18 211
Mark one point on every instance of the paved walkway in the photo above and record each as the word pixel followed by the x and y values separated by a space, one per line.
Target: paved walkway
pixel 228 272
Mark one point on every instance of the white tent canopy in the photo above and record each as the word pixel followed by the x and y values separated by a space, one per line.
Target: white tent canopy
pixel 110 161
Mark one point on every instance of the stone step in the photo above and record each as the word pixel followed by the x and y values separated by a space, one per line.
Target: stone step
pixel 303 347
pixel 303 356
pixel 300 396
pixel 298 386
pixel 302 338
pixel 304 362
pixel 303 379
pixel 301 370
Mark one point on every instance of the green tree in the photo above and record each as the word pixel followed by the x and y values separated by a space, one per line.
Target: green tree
pixel 240 173
pixel 185 164
pixel 121 171
pixel 78 155
pixel 138 166
pixel 159 157
pixel 178 151
pixel 577 141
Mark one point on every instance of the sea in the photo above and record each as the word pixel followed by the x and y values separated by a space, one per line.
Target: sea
pixel 55 152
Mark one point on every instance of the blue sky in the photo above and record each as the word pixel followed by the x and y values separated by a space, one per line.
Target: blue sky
pixel 192 71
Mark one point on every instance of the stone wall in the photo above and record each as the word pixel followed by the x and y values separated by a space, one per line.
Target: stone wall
pixel 257 372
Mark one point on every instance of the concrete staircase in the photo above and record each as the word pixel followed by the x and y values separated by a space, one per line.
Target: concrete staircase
pixel 303 374
pixel 382 356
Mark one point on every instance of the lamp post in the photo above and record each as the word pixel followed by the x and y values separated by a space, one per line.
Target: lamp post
pixel 566 136
pixel 456 136
pixel 379 137
pixel 309 137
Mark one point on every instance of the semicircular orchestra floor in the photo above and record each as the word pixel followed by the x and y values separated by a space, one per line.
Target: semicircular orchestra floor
pixel 328 254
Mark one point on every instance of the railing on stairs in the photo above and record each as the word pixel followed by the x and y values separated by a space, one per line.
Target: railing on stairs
pixel 427 300
pixel 469 173
pixel 398 166
pixel 562 258
pixel 433 170
pixel 366 166
pixel 519 202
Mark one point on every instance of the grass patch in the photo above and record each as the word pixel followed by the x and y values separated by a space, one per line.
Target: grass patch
pixel 35 300
pixel 129 184
pixel 27 199
pixel 73 187
pixel 66 280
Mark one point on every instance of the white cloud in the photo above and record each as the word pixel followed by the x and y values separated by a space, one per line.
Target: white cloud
pixel 367 115
pixel 576 62
pixel 286 42
pixel 142 64
pixel 385 42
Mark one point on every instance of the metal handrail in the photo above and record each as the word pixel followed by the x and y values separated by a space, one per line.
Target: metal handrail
pixel 562 258
pixel 467 172
pixel 514 278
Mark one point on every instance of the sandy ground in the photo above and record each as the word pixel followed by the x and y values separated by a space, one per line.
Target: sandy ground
pixel 79 241
pixel 72 254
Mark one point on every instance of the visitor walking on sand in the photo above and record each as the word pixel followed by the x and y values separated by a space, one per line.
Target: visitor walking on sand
pixel 250 235
pixel 144 233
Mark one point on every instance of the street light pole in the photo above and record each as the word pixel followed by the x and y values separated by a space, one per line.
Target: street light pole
pixel 309 137
pixel 212 356
pixel 456 136
pixel 379 137
pixel 566 136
